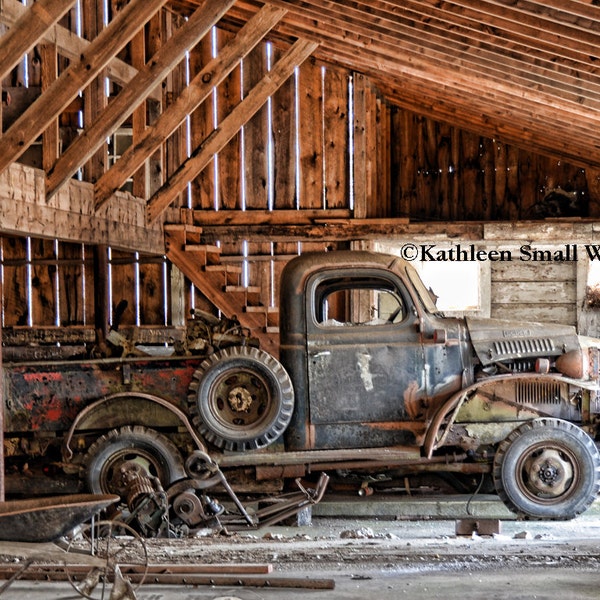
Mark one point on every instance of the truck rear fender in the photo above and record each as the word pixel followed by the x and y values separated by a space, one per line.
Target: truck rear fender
pixel 91 413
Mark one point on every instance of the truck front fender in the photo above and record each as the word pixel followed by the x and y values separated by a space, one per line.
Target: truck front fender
pixel 512 398
pixel 97 411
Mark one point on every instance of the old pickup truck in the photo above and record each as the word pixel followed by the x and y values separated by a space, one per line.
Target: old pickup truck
pixel 371 380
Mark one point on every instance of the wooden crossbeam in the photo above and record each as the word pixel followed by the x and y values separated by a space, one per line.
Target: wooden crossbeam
pixel 59 95
pixel 69 44
pixel 28 29
pixel 197 91
pixel 230 125
pixel 135 92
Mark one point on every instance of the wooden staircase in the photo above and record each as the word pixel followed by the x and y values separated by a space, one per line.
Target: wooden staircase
pixel 221 283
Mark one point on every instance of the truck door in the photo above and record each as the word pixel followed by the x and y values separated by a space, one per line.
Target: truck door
pixel 365 360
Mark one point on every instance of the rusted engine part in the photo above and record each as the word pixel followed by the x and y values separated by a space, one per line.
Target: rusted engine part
pixel 206 333
pixel 150 507
pixel 146 500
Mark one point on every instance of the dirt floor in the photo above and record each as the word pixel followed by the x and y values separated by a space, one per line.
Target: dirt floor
pixel 360 557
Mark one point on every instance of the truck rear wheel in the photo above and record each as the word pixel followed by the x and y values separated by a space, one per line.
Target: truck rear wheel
pixel 241 398
pixel 547 469
pixel 136 447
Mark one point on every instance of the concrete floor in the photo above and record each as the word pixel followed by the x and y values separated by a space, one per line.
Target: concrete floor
pixel 387 549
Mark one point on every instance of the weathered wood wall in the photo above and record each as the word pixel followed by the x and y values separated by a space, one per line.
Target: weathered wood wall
pixel 325 141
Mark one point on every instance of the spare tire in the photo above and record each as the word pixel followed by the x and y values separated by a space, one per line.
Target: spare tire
pixel 241 398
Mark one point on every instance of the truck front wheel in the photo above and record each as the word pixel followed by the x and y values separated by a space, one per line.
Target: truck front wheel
pixel 137 448
pixel 547 469
pixel 241 398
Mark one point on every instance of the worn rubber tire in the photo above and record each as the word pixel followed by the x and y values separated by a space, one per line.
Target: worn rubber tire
pixel 152 450
pixel 241 398
pixel 547 469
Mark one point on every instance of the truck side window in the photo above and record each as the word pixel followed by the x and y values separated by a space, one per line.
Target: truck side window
pixel 358 301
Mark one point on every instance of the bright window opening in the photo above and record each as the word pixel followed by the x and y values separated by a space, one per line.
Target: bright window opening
pixel 456 285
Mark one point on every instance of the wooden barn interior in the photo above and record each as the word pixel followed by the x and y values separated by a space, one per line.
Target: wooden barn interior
pixel 158 157
pixel 166 158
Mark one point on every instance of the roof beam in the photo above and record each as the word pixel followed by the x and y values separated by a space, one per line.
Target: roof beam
pixel 59 95
pixel 197 91
pixel 68 44
pixel 230 125
pixel 24 34
pixel 155 70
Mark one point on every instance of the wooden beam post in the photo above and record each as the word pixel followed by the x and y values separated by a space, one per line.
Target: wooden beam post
pixel 59 95
pixel 197 91
pixel 257 96
pixel 136 92
pixel 24 34
pixel 50 138
pixel 69 44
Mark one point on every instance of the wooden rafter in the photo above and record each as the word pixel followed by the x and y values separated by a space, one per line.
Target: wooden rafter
pixel 198 90
pixel 523 72
pixel 23 35
pixel 68 44
pixel 47 107
pixel 230 125
pixel 135 92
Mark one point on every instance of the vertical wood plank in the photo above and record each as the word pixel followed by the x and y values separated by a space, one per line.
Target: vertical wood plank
pixel 228 96
pixel 15 293
pixel 370 151
pixel 471 170
pixel 336 138
pixel 94 94
pixel 284 143
pixel 201 124
pixel 71 272
pixel 43 283
pixel 360 145
pixel 152 293
pixel 500 183
pixel 487 168
pixel 311 135
pixel 256 176
pixel 123 287
pixel 154 169
pixel 527 183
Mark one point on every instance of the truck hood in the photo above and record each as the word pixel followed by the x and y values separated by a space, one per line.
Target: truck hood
pixel 497 340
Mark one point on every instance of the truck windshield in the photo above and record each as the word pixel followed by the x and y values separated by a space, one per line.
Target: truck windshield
pixel 424 294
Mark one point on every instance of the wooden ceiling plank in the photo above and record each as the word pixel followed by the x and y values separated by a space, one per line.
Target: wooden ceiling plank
pixel 386 61
pixel 467 40
pixel 458 13
pixel 69 44
pixel 515 18
pixel 229 126
pixel 482 64
pixel 28 29
pixel 196 92
pixel 484 119
pixel 557 131
pixel 57 97
pixel 138 89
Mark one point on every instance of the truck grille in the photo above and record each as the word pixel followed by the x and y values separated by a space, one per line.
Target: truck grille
pixel 519 346
pixel 538 392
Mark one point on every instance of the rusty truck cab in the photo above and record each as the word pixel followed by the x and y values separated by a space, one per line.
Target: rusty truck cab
pixel 369 357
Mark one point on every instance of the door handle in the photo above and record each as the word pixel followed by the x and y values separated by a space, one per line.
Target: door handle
pixel 323 353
